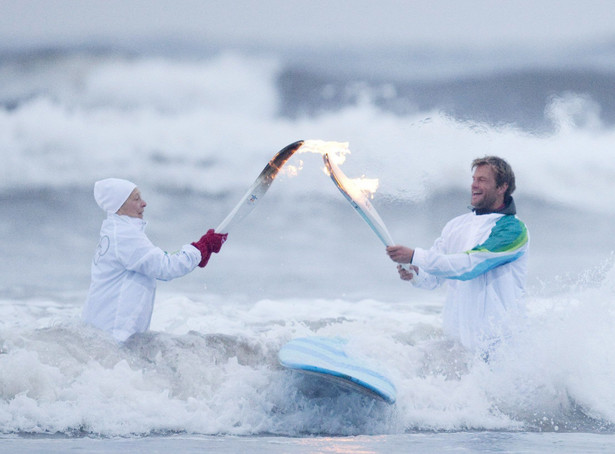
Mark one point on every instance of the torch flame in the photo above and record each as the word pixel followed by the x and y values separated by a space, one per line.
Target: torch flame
pixel 367 185
pixel 337 152
pixel 293 170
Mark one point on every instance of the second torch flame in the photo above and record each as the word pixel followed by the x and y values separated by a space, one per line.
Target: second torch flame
pixel 337 152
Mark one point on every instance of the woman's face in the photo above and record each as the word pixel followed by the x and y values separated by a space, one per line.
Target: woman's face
pixel 134 206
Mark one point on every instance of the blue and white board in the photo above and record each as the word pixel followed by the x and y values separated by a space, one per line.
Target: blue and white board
pixel 327 357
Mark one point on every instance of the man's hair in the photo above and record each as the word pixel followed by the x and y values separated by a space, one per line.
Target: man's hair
pixel 503 172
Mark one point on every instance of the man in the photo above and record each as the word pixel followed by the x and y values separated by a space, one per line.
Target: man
pixel 126 264
pixel 482 256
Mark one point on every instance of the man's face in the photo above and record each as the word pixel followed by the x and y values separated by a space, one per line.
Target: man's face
pixel 134 205
pixel 485 193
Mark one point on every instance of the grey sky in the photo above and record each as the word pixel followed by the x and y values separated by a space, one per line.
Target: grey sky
pixel 489 23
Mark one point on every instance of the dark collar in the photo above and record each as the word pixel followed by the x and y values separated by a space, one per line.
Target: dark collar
pixel 508 208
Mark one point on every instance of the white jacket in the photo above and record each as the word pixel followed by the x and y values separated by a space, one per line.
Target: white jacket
pixel 483 259
pixel 124 272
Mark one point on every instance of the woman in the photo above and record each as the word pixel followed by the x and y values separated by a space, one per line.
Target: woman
pixel 126 264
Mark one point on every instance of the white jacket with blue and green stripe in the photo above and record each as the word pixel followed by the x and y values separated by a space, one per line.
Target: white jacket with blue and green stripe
pixel 483 259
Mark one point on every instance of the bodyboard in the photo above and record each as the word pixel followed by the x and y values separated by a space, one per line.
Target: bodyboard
pixel 328 358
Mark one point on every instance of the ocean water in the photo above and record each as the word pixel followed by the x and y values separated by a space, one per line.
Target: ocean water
pixel 193 128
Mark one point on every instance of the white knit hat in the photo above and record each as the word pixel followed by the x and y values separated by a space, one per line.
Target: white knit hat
pixel 111 193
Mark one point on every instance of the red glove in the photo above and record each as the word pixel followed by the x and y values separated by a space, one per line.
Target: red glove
pixel 210 242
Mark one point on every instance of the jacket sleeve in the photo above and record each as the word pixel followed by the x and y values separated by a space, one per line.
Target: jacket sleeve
pixel 140 255
pixel 424 280
pixel 507 241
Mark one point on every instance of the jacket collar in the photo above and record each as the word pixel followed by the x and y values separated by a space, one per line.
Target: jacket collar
pixel 508 209
pixel 137 222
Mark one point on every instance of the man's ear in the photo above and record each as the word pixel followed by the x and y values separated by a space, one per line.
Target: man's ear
pixel 502 189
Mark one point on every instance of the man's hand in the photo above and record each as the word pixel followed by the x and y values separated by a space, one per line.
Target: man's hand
pixel 400 254
pixel 407 275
